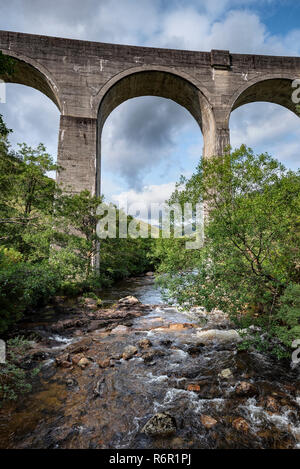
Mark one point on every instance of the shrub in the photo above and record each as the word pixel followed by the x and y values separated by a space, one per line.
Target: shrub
pixel 13 379
pixel 24 286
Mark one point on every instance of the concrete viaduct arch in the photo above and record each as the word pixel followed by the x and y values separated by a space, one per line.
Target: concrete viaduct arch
pixel 87 80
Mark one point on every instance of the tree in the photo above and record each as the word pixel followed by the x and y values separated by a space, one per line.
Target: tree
pixel 76 215
pixel 27 195
pixel 7 65
pixel 251 253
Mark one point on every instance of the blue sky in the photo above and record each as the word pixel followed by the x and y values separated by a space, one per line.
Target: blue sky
pixel 148 142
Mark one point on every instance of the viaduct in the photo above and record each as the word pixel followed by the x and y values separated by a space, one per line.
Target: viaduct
pixel 88 80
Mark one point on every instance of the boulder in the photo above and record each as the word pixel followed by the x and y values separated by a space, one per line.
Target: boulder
pixel 226 374
pixel 271 404
pixel 129 352
pixel 64 360
pixel 218 335
pixel 241 424
pixel 180 326
pixel 83 363
pixel 208 421
pixel 89 303
pixel 193 387
pixel 148 356
pixel 246 389
pixel 128 301
pixel 161 424
pixel 120 330
pixel 77 357
pixel 144 343
pixel 104 363
pixel 194 350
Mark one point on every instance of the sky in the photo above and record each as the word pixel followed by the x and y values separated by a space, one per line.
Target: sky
pixel 149 142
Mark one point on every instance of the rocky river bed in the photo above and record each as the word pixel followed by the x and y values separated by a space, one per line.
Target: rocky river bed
pixel 141 374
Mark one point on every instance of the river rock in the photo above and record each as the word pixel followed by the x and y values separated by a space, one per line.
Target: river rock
pixel 129 351
pixel 120 330
pixel 79 347
pixel 194 350
pixel 246 389
pixel 64 360
pixel 128 301
pixel 161 424
pixel 77 357
pixel 193 387
pixel 104 363
pixel 65 364
pixel 271 404
pixel 144 343
pixel 83 363
pixel 208 421
pixel 241 424
pixel 180 326
pixel 222 336
pixel 148 356
pixel 89 303
pixel 226 374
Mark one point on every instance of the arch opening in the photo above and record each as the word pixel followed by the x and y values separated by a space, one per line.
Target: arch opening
pixel 30 75
pixel 264 117
pixel 274 90
pixel 267 127
pixel 156 83
pixel 32 116
pixel 147 143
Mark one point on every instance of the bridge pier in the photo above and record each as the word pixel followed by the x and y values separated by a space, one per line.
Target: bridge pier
pixel 76 156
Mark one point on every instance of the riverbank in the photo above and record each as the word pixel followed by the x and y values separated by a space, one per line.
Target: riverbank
pixel 134 375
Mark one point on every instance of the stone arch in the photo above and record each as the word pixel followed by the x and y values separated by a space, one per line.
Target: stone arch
pixel 29 72
pixel 273 88
pixel 135 70
pixel 154 81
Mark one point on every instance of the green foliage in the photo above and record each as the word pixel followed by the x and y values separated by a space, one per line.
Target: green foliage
pixel 23 286
pixel 48 238
pixel 7 65
pixel 251 252
pixel 287 319
pixel 13 379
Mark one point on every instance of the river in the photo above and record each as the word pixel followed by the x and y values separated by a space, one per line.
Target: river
pixel 216 395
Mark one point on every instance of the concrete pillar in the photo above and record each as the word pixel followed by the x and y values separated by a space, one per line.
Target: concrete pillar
pixel 216 139
pixel 222 139
pixel 77 154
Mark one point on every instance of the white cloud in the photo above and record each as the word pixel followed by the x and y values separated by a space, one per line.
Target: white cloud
pixel 150 194
pixel 141 135
pixel 198 25
pixel 267 127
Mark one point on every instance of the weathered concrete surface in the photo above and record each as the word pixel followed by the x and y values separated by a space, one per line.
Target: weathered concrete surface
pixel 87 80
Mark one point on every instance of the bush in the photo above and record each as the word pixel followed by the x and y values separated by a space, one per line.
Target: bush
pixel 24 286
pixel 13 379
pixel 287 327
pixel 249 265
